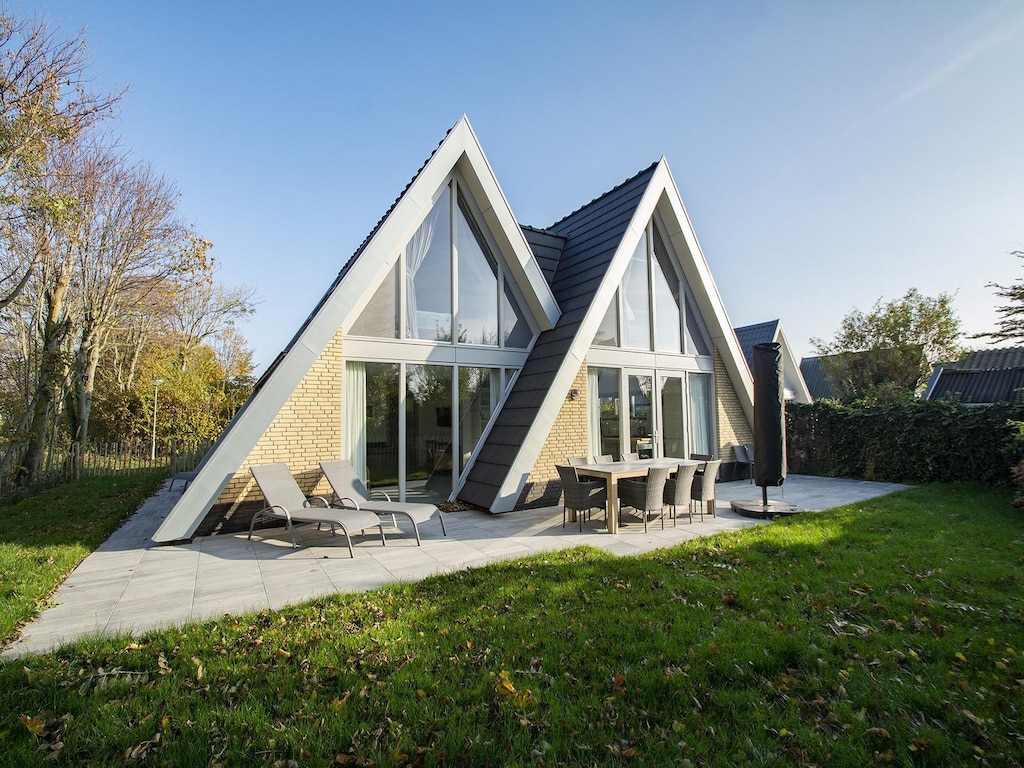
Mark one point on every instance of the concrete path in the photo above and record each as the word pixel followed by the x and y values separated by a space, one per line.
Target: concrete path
pixel 130 585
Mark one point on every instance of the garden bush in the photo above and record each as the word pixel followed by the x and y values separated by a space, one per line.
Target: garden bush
pixel 912 442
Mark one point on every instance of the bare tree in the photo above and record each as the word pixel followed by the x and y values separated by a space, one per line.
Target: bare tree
pixel 45 103
pixel 130 242
pixel 206 309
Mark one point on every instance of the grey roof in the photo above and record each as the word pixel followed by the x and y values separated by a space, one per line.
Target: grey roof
pixel 547 248
pixel 590 236
pixel 985 359
pixel 818 383
pixel 760 333
pixel 993 385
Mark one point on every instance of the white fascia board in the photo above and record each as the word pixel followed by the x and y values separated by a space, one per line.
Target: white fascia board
pixel 549 408
pixel 502 224
pixel 705 291
pixel 791 369
pixel 228 453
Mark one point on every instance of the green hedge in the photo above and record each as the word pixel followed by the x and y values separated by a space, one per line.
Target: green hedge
pixel 916 442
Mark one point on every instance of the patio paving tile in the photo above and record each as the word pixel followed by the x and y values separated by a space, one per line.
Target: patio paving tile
pixel 131 585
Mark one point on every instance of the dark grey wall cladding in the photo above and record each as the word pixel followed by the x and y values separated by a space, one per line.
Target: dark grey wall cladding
pixel 575 269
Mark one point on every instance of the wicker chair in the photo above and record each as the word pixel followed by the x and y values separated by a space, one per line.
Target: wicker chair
pixel 646 495
pixel 579 496
pixel 578 461
pixel 604 458
pixel 703 492
pixel 631 457
pixel 679 488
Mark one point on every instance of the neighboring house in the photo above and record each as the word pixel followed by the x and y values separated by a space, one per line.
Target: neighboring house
pixel 817 380
pixel 459 355
pixel 980 378
pixel 794 386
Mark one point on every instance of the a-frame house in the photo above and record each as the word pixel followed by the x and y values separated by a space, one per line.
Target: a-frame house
pixel 460 355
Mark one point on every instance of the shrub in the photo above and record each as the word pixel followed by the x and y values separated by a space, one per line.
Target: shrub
pixel 915 442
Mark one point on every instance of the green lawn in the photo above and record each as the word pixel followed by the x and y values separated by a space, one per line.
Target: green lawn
pixel 44 536
pixel 882 633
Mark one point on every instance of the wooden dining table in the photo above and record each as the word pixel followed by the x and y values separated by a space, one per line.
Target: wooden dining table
pixel 613 471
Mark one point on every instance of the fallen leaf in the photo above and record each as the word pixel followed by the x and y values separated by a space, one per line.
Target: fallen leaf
pixel 35 725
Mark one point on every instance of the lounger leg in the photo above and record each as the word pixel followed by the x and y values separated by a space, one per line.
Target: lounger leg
pixel 440 516
pixel 348 540
pixel 416 530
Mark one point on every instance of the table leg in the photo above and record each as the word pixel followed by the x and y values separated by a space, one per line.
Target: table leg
pixel 611 511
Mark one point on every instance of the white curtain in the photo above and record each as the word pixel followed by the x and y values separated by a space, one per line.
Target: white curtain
pixel 355 416
pixel 700 413
pixel 415 253
pixel 593 412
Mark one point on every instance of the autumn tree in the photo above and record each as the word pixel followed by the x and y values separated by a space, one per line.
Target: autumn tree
pixel 45 103
pixel 129 242
pixel 1010 326
pixel 119 243
pixel 887 352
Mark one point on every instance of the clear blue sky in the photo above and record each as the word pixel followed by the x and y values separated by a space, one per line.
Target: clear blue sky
pixel 829 153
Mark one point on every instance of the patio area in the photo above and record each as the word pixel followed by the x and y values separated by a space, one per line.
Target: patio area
pixel 131 585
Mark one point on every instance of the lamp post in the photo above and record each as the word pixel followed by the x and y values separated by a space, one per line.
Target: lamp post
pixel 156 391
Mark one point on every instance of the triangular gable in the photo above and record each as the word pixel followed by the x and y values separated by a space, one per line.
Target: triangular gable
pixel 600 238
pixel 356 283
pixel 769 332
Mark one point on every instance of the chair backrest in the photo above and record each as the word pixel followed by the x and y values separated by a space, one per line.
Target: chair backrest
pixel 683 485
pixel 278 486
pixel 631 457
pixel 604 458
pixel 740 453
pixel 570 485
pixel 579 461
pixel 656 479
pixel 707 486
pixel 750 452
pixel 344 480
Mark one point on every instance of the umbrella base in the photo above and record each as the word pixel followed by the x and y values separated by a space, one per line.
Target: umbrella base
pixel 758 509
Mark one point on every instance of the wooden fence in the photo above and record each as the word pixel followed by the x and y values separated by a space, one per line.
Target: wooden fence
pixel 63 463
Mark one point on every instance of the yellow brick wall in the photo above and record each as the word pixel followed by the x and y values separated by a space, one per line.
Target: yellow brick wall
pixel 306 431
pixel 733 427
pixel 568 435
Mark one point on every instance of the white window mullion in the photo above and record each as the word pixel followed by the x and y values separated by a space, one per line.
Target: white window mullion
pixel 401 430
pixel 456 427
pixel 454 251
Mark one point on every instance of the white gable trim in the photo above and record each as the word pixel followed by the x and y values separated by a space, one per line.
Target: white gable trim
pixel 791 368
pixel 460 149
pixel 662 195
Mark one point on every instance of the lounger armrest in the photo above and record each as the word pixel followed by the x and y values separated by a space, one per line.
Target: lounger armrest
pixel 278 509
pixel 382 493
pixel 323 502
pixel 352 503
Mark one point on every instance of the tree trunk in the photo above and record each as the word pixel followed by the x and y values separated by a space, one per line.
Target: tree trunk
pixel 51 369
pixel 47 391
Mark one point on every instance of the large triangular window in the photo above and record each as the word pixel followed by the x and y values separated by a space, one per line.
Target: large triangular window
pixel 448 271
pixel 652 309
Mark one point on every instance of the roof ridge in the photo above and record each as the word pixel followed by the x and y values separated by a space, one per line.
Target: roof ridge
pixel 600 197
pixel 542 230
